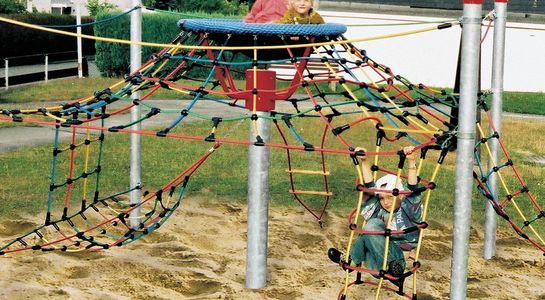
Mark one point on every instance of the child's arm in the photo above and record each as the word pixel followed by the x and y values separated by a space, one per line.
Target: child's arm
pixel 412 178
pixel 365 169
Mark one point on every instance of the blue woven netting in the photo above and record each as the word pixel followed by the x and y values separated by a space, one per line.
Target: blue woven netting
pixel 227 26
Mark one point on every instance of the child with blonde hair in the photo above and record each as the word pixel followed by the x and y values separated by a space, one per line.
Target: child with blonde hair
pixel 301 12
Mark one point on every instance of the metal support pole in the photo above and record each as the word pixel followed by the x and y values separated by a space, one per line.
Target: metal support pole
pixel 500 8
pixel 78 39
pixel 136 154
pixel 6 73
pixel 46 68
pixel 466 143
pixel 258 206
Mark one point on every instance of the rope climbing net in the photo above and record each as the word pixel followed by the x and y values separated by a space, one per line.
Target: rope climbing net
pixel 369 106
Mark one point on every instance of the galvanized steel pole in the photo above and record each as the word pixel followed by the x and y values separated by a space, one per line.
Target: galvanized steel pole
pixel 136 155
pixel 466 142
pixel 258 206
pixel 46 68
pixel 500 8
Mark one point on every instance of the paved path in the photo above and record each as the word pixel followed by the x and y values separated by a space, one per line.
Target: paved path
pixel 13 138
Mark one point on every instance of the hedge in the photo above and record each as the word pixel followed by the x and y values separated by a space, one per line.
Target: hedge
pixel 19 41
pixel 113 59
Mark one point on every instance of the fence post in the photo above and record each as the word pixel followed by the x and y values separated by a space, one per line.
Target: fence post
pixel 46 67
pixel 85 66
pixel 78 39
pixel 6 83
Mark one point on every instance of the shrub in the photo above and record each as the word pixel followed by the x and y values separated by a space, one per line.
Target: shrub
pixel 11 7
pixel 95 7
pixel 113 59
pixel 18 41
pixel 228 7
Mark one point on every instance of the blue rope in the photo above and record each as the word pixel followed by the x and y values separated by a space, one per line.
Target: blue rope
pixel 296 135
pixel 197 95
pixel 53 170
pixel 375 98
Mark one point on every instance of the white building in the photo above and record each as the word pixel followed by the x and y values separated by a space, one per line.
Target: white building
pixel 68 7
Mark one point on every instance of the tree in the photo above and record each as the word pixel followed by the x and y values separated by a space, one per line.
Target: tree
pixel 11 7
pixel 95 7
pixel 229 7
pixel 164 4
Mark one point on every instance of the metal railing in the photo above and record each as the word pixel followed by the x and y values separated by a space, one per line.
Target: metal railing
pixel 38 67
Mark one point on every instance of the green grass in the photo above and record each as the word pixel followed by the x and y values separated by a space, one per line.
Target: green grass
pixel 25 173
pixel 15 124
pixel 71 89
pixel 63 90
pixel 523 102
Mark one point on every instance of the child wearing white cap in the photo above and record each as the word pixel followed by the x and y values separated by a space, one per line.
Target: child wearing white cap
pixel 375 209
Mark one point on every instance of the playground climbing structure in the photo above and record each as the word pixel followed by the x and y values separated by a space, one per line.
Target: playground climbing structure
pixel 371 106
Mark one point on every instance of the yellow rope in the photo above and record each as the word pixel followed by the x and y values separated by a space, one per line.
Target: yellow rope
pixel 344 85
pixel 494 163
pixel 59 107
pixel 411 130
pixel 352 232
pixel 55 117
pixel 387 240
pixel 424 217
pixel 389 99
pixel 506 189
pixel 160 45
pixel 86 164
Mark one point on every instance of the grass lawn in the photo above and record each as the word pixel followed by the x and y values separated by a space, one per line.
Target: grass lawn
pixel 71 89
pixel 25 174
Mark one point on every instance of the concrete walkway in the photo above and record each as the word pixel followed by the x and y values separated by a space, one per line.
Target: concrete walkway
pixel 13 138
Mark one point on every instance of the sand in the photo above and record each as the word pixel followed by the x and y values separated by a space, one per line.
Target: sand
pixel 200 254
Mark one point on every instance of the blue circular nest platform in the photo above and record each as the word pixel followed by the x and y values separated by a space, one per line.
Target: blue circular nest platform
pixel 237 27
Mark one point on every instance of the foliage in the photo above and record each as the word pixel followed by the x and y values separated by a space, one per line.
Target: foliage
pixel 113 59
pixel 19 41
pixel 11 7
pixel 162 4
pixel 522 102
pixel 95 7
pixel 229 7
pixel 225 7
pixel 71 89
